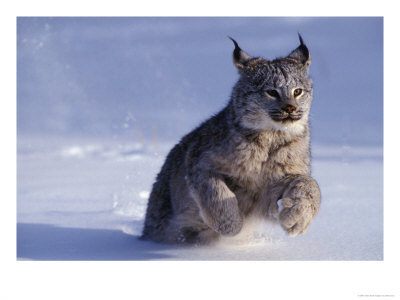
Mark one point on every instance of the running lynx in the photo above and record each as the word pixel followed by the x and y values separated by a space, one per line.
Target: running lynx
pixel 239 163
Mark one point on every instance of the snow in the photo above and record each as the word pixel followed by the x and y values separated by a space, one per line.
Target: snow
pixel 101 101
pixel 90 205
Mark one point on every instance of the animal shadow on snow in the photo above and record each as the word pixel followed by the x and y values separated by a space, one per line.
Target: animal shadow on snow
pixel 48 242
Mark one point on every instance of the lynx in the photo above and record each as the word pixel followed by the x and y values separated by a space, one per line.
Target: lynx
pixel 239 163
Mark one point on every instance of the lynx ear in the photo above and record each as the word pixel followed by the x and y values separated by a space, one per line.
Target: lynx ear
pixel 240 58
pixel 301 53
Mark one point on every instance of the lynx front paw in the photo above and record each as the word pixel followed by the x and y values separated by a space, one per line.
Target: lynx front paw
pixel 229 227
pixel 223 217
pixel 296 216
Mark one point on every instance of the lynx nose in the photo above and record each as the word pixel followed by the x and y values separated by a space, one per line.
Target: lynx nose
pixel 289 108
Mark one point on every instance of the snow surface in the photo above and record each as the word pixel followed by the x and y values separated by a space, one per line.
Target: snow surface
pixel 86 201
pixel 102 100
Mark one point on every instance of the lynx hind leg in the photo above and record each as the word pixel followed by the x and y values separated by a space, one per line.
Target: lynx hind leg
pixel 159 211
pixel 300 204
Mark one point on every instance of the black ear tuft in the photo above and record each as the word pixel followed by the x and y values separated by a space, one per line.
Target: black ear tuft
pixel 301 39
pixel 301 53
pixel 236 52
pixel 240 58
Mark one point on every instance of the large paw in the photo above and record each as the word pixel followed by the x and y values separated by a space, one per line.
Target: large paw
pixel 223 217
pixel 295 216
pixel 229 225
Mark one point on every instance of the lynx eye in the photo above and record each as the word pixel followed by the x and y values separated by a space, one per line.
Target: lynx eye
pixel 297 92
pixel 273 93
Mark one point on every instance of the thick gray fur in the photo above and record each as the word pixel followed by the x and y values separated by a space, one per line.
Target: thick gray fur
pixel 240 162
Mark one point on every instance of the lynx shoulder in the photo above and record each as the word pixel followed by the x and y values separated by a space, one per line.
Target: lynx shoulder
pixel 239 163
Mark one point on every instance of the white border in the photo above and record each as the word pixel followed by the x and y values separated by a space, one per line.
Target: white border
pixel 197 280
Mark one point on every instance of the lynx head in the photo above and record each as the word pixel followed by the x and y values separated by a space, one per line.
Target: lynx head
pixel 273 95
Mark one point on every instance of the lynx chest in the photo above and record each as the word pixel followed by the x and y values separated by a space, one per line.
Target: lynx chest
pixel 251 166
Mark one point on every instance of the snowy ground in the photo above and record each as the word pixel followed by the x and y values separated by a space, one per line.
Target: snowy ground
pixel 85 200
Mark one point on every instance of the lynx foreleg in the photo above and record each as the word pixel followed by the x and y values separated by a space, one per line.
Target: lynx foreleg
pixel 301 202
pixel 217 203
